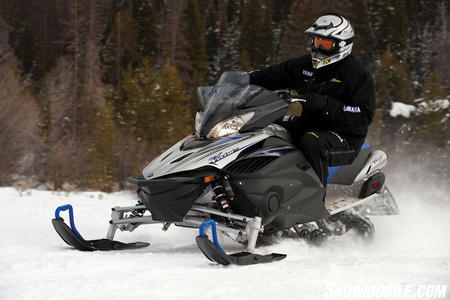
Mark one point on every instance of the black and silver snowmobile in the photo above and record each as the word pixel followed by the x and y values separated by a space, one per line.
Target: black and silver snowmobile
pixel 240 175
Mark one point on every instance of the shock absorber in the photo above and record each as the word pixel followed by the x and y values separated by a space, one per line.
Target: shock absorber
pixel 220 196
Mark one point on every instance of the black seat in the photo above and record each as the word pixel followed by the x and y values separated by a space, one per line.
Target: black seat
pixel 346 174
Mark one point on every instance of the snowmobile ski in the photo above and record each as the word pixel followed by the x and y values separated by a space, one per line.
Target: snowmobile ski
pixel 73 238
pixel 215 253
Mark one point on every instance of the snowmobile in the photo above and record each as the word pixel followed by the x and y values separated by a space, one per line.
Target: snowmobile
pixel 239 175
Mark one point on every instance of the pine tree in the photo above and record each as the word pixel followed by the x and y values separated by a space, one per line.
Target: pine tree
pixel 388 22
pixel 102 158
pixel 28 52
pixel 229 32
pixel 300 16
pixel 280 17
pixel 364 41
pixel 121 47
pixel 376 135
pixel 212 23
pixel 196 50
pixel 145 27
pixel 157 107
pixel 256 34
pixel 432 89
pixel 194 33
pixel 141 108
pixel 174 119
pixel 244 60
pixel 391 85
pixel 391 80
pixel 441 59
pixel 422 24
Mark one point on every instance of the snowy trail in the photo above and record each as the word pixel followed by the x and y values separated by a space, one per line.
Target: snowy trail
pixel 412 248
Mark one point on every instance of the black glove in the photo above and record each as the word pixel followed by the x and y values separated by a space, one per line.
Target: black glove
pixel 314 102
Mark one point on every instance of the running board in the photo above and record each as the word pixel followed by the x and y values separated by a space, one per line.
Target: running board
pixel 339 204
pixel 73 238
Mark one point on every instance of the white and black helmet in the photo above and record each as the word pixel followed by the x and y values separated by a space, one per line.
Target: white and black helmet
pixel 331 39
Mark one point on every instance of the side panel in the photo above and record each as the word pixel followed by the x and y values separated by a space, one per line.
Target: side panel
pixel 346 174
pixel 284 192
pixel 376 161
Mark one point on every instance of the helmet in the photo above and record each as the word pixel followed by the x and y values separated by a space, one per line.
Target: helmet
pixel 331 39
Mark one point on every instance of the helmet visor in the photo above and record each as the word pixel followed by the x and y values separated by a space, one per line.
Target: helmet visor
pixel 322 43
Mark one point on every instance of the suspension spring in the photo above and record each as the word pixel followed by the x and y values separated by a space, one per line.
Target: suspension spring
pixel 221 198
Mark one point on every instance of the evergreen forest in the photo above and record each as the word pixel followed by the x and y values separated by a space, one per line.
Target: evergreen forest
pixel 91 91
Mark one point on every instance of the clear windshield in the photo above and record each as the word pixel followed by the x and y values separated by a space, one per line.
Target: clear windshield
pixel 232 89
pixel 230 97
pixel 235 78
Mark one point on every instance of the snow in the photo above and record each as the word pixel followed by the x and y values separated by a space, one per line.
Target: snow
pixel 411 248
pixel 433 105
pixel 421 106
pixel 443 103
pixel 401 109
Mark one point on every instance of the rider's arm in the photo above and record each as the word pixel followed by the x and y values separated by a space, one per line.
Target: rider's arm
pixel 280 76
pixel 358 111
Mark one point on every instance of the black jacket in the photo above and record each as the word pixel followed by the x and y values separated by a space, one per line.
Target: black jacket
pixel 348 87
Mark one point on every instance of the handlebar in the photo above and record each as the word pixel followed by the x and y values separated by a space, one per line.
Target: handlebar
pixel 286 95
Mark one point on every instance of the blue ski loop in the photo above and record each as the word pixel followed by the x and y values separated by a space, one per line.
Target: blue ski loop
pixel 211 223
pixel 72 222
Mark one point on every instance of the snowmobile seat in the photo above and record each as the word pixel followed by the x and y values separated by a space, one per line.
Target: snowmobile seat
pixel 346 174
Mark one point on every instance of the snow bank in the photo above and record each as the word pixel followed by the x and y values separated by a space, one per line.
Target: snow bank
pixel 401 109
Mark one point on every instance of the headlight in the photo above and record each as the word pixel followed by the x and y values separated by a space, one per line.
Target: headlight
pixel 198 121
pixel 227 127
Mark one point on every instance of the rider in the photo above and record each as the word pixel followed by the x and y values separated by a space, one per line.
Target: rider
pixel 338 92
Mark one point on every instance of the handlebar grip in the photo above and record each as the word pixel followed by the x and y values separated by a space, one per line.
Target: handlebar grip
pixel 298 100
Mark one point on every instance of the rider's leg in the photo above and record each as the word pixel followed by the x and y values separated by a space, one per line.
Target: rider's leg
pixel 326 148
pixel 293 124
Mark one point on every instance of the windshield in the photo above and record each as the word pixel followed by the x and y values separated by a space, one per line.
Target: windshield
pixel 228 89
pixel 230 97
pixel 228 93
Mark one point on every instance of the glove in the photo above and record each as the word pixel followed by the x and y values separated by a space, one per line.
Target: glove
pixel 314 102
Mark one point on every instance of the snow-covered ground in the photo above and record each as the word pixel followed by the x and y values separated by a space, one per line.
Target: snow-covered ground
pixel 410 249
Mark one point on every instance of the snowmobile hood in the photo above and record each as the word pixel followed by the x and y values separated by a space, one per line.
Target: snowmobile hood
pixel 215 154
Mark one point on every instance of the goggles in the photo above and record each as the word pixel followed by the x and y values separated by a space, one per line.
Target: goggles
pixel 322 43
